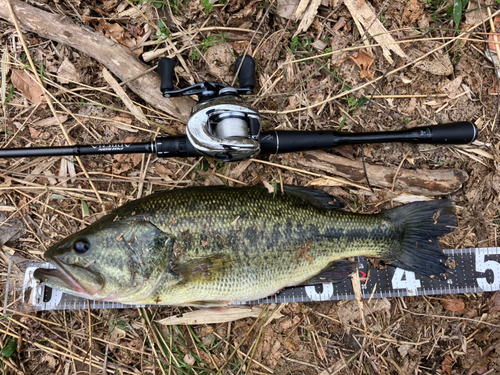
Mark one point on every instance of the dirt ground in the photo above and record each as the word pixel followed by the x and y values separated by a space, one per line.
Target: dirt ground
pixel 43 200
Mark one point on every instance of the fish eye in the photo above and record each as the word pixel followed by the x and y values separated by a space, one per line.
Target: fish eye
pixel 81 246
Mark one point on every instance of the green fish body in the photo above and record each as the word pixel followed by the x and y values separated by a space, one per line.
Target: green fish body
pixel 214 246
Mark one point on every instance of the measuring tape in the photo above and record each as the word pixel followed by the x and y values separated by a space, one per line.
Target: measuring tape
pixel 474 270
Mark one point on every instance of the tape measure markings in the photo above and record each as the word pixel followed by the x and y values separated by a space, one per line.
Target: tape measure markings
pixel 476 270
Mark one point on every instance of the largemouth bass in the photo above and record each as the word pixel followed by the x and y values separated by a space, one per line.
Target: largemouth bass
pixel 211 246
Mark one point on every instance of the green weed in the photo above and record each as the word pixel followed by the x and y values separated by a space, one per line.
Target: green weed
pixel 207 6
pixel 356 103
pixel 163 32
pixel 10 95
pixel 175 5
pixel 210 41
pixel 9 348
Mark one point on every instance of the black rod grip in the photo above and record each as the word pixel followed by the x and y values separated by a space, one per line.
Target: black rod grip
pixel 247 72
pixel 454 133
pixel 166 71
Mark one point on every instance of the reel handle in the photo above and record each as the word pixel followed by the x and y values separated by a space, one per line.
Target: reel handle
pixel 247 72
pixel 166 70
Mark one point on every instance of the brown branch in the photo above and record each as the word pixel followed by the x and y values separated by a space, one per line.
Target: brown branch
pixel 422 181
pixel 117 58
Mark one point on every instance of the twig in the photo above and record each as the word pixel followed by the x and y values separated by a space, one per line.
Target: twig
pixel 397 171
pixel 336 179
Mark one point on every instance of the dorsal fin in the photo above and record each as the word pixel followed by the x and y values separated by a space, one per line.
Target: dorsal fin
pixel 318 198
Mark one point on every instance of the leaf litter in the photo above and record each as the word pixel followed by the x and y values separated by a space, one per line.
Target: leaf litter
pixel 413 334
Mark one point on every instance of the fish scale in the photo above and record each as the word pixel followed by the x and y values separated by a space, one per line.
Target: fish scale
pixel 218 245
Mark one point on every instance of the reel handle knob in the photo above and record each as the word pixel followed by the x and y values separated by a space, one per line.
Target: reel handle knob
pixel 247 72
pixel 166 70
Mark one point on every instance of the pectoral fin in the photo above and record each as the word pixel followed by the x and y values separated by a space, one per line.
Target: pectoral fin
pixel 315 197
pixel 203 270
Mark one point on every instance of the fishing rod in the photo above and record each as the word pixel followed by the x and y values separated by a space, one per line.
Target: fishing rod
pixel 223 127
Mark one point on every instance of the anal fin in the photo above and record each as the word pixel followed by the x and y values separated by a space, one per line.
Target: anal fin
pixel 335 272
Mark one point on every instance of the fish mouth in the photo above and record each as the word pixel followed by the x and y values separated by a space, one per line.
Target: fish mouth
pixel 62 277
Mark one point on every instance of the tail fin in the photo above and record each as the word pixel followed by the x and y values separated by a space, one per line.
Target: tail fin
pixel 421 223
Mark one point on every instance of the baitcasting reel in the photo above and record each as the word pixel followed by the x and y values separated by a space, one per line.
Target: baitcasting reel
pixel 221 125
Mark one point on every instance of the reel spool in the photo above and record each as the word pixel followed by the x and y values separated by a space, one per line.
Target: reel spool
pixel 221 125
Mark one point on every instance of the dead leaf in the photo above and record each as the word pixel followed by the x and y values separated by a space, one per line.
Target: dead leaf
pixel 248 10
pixel 350 313
pixel 285 8
pixel 123 163
pixel 116 335
pixel 109 5
pixel 413 11
pixel 67 72
pixel 403 349
pixel 412 105
pixel 269 187
pixel 319 45
pixel 321 181
pixel 364 61
pixel 122 122
pixel 240 47
pixel 453 87
pixel 453 304
pixel 189 359
pixel 493 38
pixel 447 365
pixel 50 121
pixel 220 61
pixel 51 361
pixel 433 103
pixel 23 206
pixel 119 34
pixel 230 314
pixel 34 133
pixel 164 172
pixel 28 86
pixel 11 230
pixel 495 303
pixel 7 181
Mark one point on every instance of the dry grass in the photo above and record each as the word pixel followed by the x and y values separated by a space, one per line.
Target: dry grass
pixel 299 87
